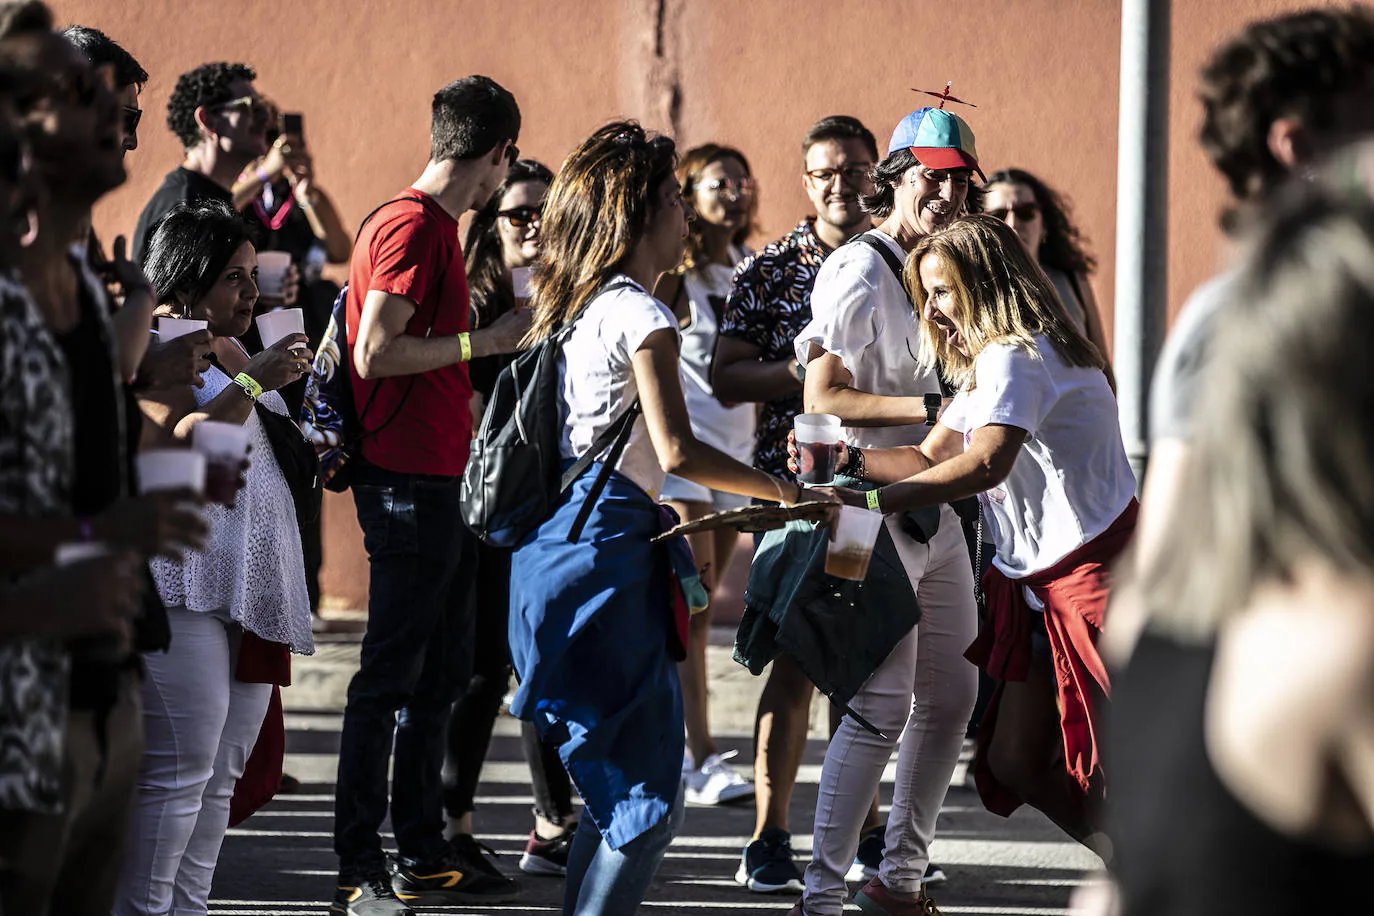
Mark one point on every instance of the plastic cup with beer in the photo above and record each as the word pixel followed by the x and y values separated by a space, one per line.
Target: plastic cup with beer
pixel 224 445
pixel 818 441
pixel 851 543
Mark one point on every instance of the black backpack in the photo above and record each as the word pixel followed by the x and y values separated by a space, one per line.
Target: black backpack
pixel 511 484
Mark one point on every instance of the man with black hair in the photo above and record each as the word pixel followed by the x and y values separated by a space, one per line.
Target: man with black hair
pixel 408 353
pixel 129 75
pixel 221 122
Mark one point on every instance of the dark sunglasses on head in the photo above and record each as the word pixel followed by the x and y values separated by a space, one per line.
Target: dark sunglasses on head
pixel 131 118
pixel 520 217
pixel 1023 212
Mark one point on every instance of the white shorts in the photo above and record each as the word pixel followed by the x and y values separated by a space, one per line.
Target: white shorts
pixel 675 489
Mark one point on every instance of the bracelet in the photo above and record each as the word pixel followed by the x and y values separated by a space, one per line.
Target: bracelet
pixel 854 462
pixel 872 497
pixel 465 347
pixel 249 385
pixel 263 177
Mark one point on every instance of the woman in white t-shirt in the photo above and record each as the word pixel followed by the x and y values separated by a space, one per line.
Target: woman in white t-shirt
pixel 1033 431
pixel 718 192
pixel 593 626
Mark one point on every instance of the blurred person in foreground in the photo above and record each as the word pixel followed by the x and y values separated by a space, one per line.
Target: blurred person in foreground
pixel 768 305
pixel 1243 736
pixel 721 198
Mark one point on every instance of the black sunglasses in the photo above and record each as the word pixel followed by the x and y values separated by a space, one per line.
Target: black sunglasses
pixel 1023 212
pixel 512 153
pixel 131 118
pixel 521 217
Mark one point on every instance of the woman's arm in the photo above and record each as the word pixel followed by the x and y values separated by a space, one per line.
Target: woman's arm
pixel 679 451
pixel 174 410
pixel 829 388
pixel 890 465
pixel 986 462
pixel 1092 325
pixel 324 222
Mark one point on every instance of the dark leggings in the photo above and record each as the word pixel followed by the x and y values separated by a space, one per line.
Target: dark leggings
pixel 475 712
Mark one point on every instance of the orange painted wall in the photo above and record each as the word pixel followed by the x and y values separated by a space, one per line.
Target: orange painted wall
pixel 752 74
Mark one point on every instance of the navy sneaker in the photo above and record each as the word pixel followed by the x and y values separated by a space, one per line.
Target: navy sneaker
pixel 766 866
pixel 869 855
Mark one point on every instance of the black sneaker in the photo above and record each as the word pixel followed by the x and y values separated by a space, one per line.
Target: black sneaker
pixel 453 878
pixel 869 856
pixel 367 897
pixel 548 857
pixel 766 867
pixel 475 854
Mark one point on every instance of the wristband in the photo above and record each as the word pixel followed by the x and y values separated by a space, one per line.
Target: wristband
pixel 249 385
pixel 872 497
pixel 465 346
pixel 262 175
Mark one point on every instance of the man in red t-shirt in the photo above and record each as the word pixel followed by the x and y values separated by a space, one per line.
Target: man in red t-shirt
pixel 408 346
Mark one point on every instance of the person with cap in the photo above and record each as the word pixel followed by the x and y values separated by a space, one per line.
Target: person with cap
pixel 866 363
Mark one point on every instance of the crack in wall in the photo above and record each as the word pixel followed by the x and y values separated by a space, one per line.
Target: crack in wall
pixel 654 79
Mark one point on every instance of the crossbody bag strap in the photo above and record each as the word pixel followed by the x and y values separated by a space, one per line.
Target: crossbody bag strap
pixel 622 426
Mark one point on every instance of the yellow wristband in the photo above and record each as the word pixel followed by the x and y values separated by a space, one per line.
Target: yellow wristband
pixel 872 496
pixel 465 346
pixel 248 384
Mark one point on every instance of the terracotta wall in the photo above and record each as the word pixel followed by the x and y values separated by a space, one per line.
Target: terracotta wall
pixel 753 74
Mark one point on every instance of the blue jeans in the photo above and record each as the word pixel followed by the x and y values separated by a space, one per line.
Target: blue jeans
pixel 610 882
pixel 416 656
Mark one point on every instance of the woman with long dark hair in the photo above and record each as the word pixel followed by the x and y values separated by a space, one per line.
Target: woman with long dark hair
pixel 239 603
pixel 719 192
pixel 591 620
pixel 1040 217
pixel 503 237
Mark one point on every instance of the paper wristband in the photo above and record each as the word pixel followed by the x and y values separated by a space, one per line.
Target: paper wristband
pixel 465 346
pixel 872 496
pixel 248 384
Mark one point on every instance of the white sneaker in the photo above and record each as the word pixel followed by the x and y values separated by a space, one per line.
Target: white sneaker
pixel 716 782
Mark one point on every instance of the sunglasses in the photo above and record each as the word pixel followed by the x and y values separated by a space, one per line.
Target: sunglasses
pixel 251 103
pixel 131 118
pixel 522 217
pixel 512 153
pixel 740 187
pixel 1023 212
pixel 852 175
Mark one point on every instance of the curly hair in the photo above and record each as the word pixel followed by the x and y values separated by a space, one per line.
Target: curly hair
pixel 689 170
pixel 207 85
pixel 489 283
pixel 1064 247
pixel 1289 66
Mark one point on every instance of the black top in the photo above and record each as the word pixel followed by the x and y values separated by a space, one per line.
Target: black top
pixel 484 370
pixel 1184 845
pixel 96 402
pixel 179 185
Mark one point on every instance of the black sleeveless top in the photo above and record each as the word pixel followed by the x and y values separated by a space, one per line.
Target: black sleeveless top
pixel 1184 845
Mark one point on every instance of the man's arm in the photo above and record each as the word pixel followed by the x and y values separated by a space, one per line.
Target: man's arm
pixel 738 374
pixel 830 389
pixel 384 350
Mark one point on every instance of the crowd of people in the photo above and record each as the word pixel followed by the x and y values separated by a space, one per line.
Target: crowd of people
pixel 1201 657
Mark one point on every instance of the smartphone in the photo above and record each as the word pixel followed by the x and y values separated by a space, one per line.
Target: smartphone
pixel 293 124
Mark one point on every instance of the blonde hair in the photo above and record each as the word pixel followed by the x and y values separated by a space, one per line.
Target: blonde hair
pixel 1285 442
pixel 999 296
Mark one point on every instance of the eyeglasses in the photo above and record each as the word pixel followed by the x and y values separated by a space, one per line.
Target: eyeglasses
pixel 252 103
pixel 1023 212
pixel 521 217
pixel 852 175
pixel 740 187
pixel 131 118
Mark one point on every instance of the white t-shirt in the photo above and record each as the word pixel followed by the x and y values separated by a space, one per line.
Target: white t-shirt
pixel 596 376
pixel 860 312
pixel 730 429
pixel 1071 479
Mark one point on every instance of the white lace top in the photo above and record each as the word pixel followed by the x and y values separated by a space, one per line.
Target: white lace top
pixel 251 570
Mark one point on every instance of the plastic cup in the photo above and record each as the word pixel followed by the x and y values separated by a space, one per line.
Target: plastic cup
pixel 171 469
pixel 78 552
pixel 851 543
pixel 172 328
pixel 272 267
pixel 279 323
pixel 224 446
pixel 818 438
pixel 520 281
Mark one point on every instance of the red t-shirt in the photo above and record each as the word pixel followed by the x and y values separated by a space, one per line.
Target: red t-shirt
pixel 410 248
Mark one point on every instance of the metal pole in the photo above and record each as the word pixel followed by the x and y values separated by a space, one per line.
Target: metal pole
pixel 1142 180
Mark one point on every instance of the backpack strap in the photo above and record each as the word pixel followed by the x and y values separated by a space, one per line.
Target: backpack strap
pixel 895 265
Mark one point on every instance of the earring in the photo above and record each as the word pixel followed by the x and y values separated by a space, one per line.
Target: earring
pixel 29 224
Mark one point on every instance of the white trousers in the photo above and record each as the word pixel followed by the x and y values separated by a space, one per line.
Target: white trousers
pixel 923 691
pixel 200 727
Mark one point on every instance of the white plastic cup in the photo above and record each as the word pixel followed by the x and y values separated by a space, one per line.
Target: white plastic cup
pixel 851 543
pixel 520 281
pixel 272 267
pixel 78 552
pixel 818 438
pixel 224 446
pixel 279 323
pixel 172 328
pixel 171 469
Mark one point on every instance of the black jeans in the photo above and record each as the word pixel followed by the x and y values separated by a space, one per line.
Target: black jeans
pixel 474 715
pixel 416 655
